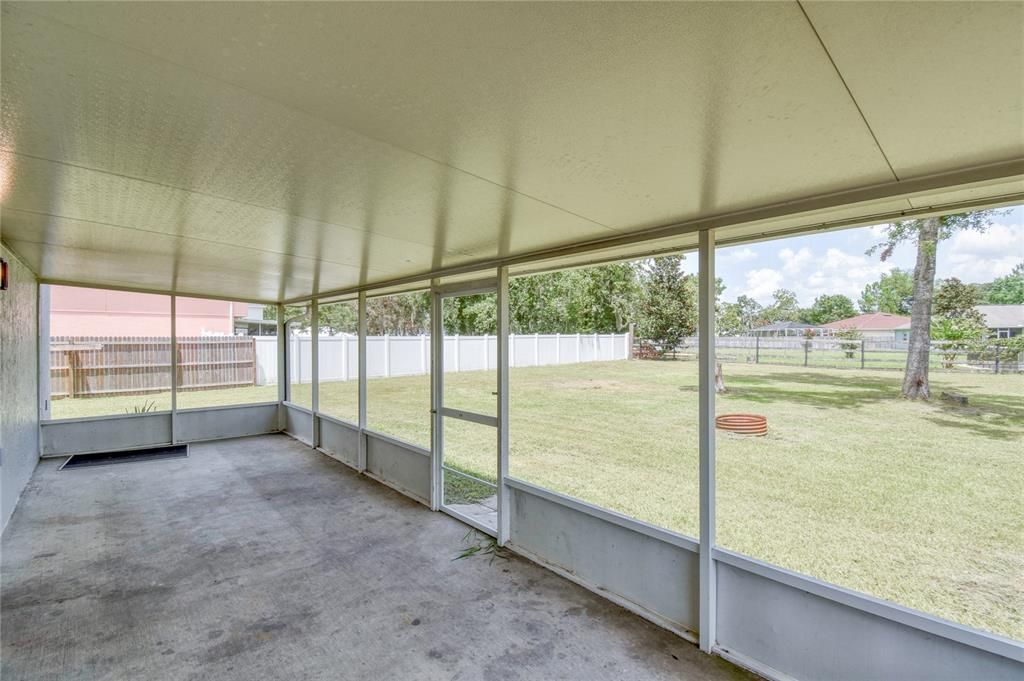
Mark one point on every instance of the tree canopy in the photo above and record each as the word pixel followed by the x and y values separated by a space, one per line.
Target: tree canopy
pixel 1008 290
pixel 829 309
pixel 892 293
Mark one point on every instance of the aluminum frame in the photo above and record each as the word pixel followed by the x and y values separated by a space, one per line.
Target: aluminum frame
pixel 439 412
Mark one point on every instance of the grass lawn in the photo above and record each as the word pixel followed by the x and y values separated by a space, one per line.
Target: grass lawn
pixel 917 503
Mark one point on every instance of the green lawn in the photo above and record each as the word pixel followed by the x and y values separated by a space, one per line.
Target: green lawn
pixel 917 503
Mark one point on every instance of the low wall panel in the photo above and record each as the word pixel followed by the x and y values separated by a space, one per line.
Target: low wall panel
pixel 105 433
pixel 216 423
pixel 298 423
pixel 657 576
pixel 340 440
pixel 789 632
pixel 403 466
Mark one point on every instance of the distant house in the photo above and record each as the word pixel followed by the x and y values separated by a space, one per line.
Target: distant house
pixel 1003 321
pixel 876 326
pixel 78 311
pixel 787 329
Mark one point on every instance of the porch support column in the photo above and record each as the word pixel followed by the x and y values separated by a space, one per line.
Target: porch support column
pixel 706 427
pixel 504 507
pixel 436 391
pixel 314 361
pixel 282 367
pixel 362 381
pixel 174 369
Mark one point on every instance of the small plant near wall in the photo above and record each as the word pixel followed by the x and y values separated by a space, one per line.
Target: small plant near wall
pixel 143 408
pixel 850 341
pixel 480 544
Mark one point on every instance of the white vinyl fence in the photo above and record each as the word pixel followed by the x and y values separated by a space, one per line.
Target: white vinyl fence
pixel 410 355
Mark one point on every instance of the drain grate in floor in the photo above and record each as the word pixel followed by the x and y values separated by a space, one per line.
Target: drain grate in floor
pixel 126 456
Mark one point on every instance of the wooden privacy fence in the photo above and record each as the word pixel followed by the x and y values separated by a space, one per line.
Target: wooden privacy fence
pixel 92 366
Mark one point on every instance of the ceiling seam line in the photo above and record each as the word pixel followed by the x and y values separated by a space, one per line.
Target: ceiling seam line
pixel 326 122
pixel 187 238
pixel 218 197
pixel 849 92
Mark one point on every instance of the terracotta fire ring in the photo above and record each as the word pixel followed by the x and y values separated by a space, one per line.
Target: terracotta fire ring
pixel 743 424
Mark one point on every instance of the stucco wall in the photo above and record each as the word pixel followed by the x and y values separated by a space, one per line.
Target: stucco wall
pixel 19 413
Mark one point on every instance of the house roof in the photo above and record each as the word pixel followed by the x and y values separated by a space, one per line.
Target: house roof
pixel 1002 316
pixel 874 321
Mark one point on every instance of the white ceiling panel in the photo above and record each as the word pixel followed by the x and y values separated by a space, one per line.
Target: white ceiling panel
pixel 276 150
pixel 941 84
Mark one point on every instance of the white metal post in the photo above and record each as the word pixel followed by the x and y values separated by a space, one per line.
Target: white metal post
pixel 578 348
pixel 282 368
pixel 43 329
pixel 362 381
pixel 456 362
pixel 512 350
pixel 314 362
pixel 423 354
pixel 706 427
pixel 504 506
pixel 558 348
pixel 174 370
pixel 536 349
pixel 387 355
pixel 436 402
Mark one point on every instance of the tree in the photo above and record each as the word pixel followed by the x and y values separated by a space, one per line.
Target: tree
pixel 927 234
pixel 667 309
pixel 1008 290
pixel 829 309
pixel 956 300
pixel 955 335
pixel 784 308
pixel 592 300
pixel 737 319
pixel 851 341
pixel 475 315
pixel 892 293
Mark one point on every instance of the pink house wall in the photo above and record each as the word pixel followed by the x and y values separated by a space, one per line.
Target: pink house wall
pixel 95 312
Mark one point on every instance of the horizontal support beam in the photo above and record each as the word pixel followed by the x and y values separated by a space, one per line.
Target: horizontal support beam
pixel 473 417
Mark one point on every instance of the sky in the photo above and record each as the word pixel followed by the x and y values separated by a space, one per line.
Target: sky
pixel 835 262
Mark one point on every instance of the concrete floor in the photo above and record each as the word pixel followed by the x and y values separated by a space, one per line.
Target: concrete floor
pixel 259 558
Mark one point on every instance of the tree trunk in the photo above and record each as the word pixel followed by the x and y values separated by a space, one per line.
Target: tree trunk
pixel 915 379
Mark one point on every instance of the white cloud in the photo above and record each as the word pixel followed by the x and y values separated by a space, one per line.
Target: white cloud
pixel 761 283
pixel 744 254
pixel 839 272
pixel 878 232
pixel 982 256
pixel 794 262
